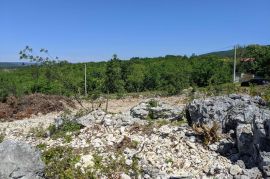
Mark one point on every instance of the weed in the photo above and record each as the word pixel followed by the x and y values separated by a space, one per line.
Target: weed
pixel 153 103
pixel 2 136
pixel 150 115
pixel 169 160
pixel 42 146
pixel 38 132
pixel 66 127
pixel 60 163
pixel 111 167
pixel 163 122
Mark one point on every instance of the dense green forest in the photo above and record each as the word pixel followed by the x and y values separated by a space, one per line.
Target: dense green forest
pixel 169 73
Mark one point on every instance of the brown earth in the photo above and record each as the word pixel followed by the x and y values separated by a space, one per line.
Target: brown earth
pixel 24 107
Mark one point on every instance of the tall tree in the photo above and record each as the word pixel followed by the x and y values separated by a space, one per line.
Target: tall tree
pixel 113 82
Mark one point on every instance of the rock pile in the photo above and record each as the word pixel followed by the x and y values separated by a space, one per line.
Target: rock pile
pixel 155 109
pixel 246 119
pixel 162 147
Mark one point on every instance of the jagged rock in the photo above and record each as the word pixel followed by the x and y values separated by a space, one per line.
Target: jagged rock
pixel 226 110
pixel 156 109
pixel 20 160
pixel 244 136
pixel 245 115
pixel 58 121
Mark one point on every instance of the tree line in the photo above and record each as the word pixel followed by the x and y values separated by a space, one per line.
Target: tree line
pixel 170 73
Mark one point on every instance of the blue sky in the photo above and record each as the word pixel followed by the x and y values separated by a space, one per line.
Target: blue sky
pixel 93 30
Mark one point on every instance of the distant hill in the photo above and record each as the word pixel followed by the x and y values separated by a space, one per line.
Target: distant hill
pixel 226 53
pixel 222 54
pixel 10 65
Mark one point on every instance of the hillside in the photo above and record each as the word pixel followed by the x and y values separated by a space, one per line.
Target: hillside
pixel 222 54
pixel 11 65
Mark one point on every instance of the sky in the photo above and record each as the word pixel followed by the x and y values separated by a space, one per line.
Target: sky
pixel 94 30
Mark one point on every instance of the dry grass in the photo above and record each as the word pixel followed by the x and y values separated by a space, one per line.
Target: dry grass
pixel 209 134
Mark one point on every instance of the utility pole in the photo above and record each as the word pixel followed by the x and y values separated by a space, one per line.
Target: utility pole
pixel 234 65
pixel 85 86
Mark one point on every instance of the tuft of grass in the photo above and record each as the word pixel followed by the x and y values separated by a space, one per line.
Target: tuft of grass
pixel 153 103
pixel 2 136
pixel 42 146
pixel 169 160
pixel 163 122
pixel 38 132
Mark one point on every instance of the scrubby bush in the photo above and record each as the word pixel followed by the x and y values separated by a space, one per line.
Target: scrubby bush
pixel 64 129
pixel 60 163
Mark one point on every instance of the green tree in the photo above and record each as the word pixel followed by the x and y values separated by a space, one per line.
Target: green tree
pixel 113 82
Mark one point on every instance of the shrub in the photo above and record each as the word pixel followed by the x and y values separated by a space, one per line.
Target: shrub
pixel 153 103
pixel 61 132
pixel 60 163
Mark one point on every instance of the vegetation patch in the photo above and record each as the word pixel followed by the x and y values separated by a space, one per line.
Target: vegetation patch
pixel 153 103
pixel 113 166
pixel 64 130
pixel 38 132
pixel 60 163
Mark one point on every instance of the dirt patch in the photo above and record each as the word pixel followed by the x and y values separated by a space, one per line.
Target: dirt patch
pixel 25 107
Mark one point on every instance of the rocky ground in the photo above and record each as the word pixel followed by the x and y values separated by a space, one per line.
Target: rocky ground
pixel 144 138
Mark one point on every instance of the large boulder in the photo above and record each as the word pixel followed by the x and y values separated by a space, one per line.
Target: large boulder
pixel 20 160
pixel 247 116
pixel 156 109
pixel 227 111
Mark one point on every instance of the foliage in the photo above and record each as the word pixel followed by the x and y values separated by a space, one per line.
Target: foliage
pixel 39 132
pixel 111 167
pixel 170 74
pixel 60 163
pixel 261 65
pixel 64 130
pixel 153 103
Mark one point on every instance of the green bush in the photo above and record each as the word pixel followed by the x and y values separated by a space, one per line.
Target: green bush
pixel 61 132
pixel 60 163
pixel 153 103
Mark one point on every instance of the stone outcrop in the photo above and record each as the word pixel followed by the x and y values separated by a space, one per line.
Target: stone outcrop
pixel 245 118
pixel 20 160
pixel 156 109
